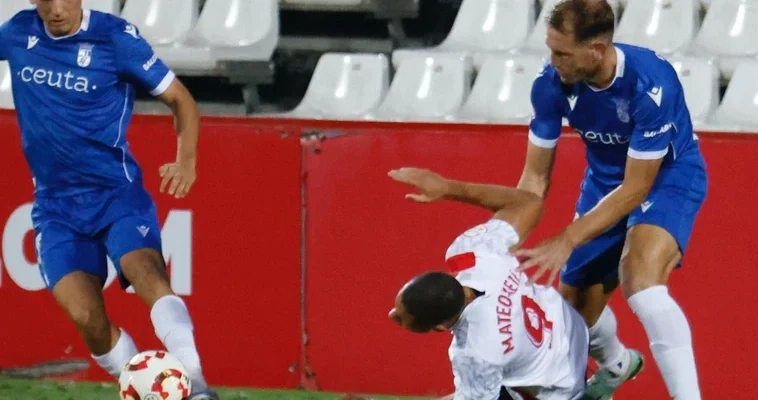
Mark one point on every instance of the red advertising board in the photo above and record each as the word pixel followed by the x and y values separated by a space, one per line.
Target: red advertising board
pixel 239 252
pixel 233 246
pixel 364 241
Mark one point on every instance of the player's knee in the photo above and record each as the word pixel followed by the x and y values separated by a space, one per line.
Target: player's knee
pixel 146 271
pixel 90 321
pixel 639 272
pixel 143 263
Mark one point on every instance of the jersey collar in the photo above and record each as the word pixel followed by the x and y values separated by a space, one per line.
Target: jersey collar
pixel 86 14
pixel 620 67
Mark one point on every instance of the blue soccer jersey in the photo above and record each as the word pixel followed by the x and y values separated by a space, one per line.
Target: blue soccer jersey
pixel 74 98
pixel 642 115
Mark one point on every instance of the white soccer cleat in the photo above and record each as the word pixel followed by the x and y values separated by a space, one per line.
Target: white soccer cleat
pixel 604 383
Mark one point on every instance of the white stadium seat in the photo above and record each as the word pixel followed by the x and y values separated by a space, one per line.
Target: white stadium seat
pixel 426 89
pixel 739 107
pixel 106 6
pixel 345 85
pixel 6 96
pixel 227 30
pixel 482 26
pixel 8 8
pixel 700 80
pixel 535 43
pixel 729 32
pixel 502 91
pixel 162 22
pixel 665 26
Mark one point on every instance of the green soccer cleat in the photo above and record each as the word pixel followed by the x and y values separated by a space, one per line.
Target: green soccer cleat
pixel 604 383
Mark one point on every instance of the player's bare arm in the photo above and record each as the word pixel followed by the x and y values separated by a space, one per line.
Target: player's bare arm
pixel 552 254
pixel 537 170
pixel 519 208
pixel 180 175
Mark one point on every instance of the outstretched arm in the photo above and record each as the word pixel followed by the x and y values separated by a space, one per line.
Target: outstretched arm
pixel 519 208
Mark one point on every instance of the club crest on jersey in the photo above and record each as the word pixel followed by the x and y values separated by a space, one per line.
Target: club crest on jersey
pixel 84 57
pixel 622 110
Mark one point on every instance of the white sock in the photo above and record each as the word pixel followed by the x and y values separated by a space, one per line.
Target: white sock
pixel 174 328
pixel 605 346
pixel 670 340
pixel 120 355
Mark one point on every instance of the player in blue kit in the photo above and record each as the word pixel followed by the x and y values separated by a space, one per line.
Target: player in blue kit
pixel 643 187
pixel 74 78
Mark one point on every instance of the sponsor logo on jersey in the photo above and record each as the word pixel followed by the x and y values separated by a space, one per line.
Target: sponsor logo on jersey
pixel 604 138
pixel 60 80
pixel 664 129
pixel 31 42
pixel 132 31
pixel 149 64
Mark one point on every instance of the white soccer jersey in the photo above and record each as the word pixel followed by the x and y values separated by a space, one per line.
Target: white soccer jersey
pixel 515 335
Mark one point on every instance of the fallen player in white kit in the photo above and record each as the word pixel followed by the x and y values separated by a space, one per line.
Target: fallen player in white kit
pixel 510 339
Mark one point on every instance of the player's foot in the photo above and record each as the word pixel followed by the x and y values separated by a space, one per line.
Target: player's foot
pixel 204 395
pixel 604 383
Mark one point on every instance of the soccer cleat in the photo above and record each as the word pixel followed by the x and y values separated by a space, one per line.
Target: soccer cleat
pixel 204 395
pixel 604 383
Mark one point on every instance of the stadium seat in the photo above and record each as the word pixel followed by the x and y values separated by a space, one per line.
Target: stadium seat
pixel 535 42
pixel 6 96
pixel 426 89
pixel 665 26
pixel 729 32
pixel 700 80
pixel 162 22
pixel 106 6
pixel 502 90
pixel 9 8
pixel 739 107
pixel 345 85
pixel 482 26
pixel 227 30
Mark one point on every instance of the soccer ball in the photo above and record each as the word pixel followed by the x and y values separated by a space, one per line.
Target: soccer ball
pixel 154 375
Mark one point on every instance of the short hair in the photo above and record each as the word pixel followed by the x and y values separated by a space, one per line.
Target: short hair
pixel 432 298
pixel 586 19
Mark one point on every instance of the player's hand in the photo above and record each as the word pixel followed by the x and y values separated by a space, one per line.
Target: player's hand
pixel 550 255
pixel 431 185
pixel 178 178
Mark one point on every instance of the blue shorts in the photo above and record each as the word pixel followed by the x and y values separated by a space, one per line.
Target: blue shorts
pixel 80 233
pixel 672 204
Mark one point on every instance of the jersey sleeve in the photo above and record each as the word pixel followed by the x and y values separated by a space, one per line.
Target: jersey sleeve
pixel 493 237
pixel 5 40
pixel 476 379
pixel 654 116
pixel 545 126
pixel 138 62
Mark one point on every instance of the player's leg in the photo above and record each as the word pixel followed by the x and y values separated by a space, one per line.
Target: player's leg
pixel 591 302
pixel 80 295
pixel 650 255
pixel 587 283
pixel 134 244
pixel 657 238
pixel 74 267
